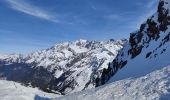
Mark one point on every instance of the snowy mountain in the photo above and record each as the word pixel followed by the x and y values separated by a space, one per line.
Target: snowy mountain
pixel 153 86
pixel 11 58
pixel 148 49
pixel 74 66
pixel 66 67
pixel 14 91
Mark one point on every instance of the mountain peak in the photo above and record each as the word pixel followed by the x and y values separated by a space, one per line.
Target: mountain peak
pixel 83 40
pixel 72 66
pixel 148 48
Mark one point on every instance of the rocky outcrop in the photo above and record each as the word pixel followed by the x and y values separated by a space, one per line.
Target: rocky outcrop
pixel 154 31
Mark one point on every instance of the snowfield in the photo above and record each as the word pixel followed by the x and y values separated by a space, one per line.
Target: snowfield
pixel 153 86
pixel 14 91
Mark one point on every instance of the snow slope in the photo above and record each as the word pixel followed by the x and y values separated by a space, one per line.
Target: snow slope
pixel 14 91
pixel 159 50
pixel 153 86
pixel 148 48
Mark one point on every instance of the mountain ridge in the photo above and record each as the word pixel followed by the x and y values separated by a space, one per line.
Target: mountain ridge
pixel 147 49
pixel 70 66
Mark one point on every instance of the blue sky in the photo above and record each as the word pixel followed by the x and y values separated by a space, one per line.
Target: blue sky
pixel 30 25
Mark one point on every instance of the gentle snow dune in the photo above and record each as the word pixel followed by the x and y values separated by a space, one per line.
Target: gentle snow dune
pixel 153 86
pixel 14 91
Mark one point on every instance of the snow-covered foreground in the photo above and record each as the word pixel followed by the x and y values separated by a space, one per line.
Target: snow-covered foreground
pixel 153 86
pixel 14 91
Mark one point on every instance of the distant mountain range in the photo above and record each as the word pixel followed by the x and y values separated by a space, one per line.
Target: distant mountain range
pixel 66 67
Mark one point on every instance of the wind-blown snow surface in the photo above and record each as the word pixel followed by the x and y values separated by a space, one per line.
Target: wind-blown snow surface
pixel 15 91
pixel 153 86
